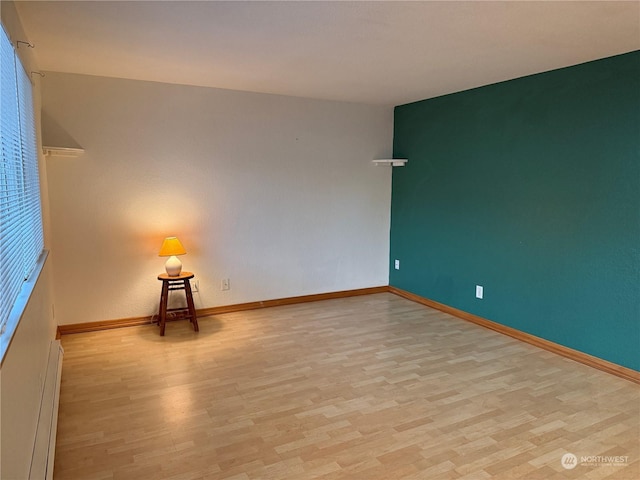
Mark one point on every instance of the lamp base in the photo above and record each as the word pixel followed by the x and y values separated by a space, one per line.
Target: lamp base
pixel 173 266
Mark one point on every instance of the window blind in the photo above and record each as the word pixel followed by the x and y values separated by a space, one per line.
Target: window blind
pixel 21 238
pixel 32 238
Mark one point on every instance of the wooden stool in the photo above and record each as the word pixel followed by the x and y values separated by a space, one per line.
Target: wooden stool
pixel 180 282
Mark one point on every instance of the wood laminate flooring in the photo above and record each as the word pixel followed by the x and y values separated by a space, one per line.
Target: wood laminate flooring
pixel 370 387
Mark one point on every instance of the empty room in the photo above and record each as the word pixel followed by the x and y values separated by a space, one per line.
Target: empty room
pixel 291 240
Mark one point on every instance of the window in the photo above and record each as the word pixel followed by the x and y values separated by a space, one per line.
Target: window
pixel 21 238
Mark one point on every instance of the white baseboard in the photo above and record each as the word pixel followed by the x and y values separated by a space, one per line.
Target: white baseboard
pixel 45 443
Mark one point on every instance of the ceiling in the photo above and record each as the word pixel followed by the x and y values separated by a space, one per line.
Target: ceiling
pixel 382 52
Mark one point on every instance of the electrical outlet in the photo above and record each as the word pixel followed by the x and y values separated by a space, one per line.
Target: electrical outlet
pixel 195 287
pixel 397 264
pixel 224 285
pixel 479 291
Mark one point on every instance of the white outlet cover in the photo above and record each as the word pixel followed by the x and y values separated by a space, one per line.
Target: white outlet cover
pixel 397 264
pixel 479 291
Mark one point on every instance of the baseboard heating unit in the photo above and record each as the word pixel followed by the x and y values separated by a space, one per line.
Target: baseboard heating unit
pixel 45 442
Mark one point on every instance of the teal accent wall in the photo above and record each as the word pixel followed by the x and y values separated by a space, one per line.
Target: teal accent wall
pixel 530 188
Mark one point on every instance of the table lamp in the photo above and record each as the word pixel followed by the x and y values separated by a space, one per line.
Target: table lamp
pixel 171 247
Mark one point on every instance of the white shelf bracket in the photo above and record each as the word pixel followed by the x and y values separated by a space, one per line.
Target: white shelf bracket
pixel 62 152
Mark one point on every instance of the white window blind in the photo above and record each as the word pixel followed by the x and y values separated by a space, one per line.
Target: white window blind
pixel 21 239
pixel 32 237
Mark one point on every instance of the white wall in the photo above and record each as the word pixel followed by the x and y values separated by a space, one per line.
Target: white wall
pixel 276 193
pixel 23 369
pixel 23 374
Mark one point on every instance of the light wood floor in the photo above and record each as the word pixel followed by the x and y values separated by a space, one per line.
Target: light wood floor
pixel 372 387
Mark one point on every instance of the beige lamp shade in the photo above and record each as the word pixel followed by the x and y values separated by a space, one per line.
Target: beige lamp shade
pixel 171 247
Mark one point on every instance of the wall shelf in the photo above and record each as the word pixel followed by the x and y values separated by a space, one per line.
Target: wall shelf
pixel 392 162
pixel 62 151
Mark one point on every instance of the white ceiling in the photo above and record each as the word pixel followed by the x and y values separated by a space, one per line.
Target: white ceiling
pixel 383 52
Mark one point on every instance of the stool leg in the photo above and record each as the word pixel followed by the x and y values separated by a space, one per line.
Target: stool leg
pixel 190 305
pixel 164 297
